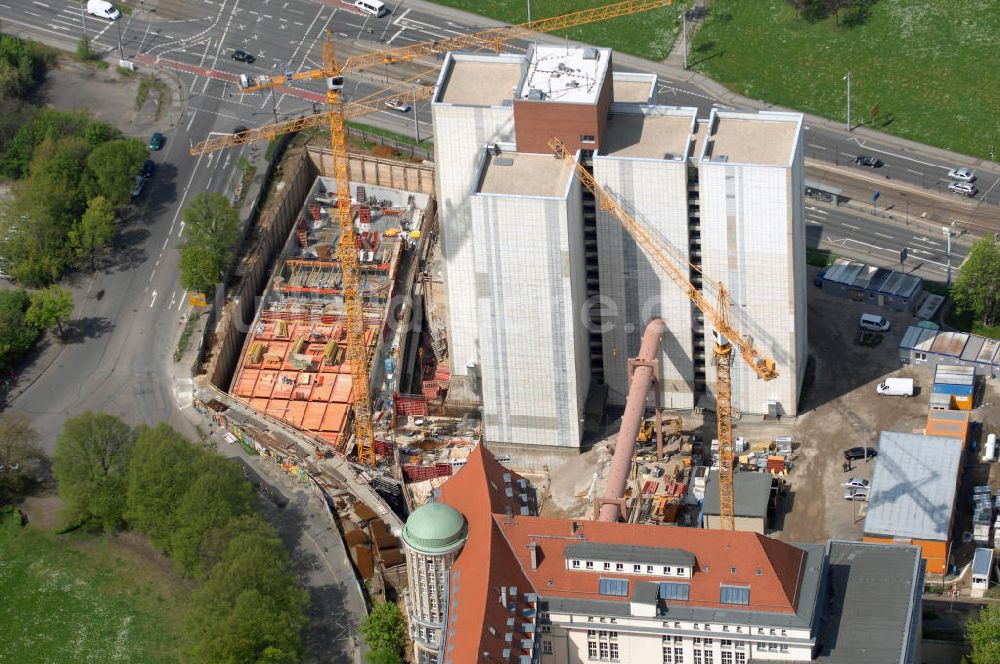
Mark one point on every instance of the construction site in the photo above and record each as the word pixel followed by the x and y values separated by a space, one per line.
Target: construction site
pixel 294 366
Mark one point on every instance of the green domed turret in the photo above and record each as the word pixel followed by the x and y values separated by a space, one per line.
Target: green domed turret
pixel 435 528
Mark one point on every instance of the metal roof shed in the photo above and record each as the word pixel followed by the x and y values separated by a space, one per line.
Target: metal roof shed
pixel 950 343
pixel 972 348
pixel 910 337
pixel 914 485
pixel 988 353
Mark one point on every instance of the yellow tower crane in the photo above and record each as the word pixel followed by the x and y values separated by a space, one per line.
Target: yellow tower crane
pixel 333 72
pixel 717 315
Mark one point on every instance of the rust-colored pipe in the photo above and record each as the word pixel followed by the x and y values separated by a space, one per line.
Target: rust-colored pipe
pixel 635 407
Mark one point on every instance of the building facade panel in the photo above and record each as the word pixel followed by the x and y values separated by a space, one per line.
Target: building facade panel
pixel 654 192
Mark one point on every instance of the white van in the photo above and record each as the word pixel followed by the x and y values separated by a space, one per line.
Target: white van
pixel 374 7
pixel 895 387
pixel 874 323
pixel 103 9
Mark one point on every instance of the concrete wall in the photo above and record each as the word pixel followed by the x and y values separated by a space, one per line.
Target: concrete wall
pixel 460 135
pixel 375 170
pixel 654 192
pixel 529 290
pixel 742 523
pixel 753 240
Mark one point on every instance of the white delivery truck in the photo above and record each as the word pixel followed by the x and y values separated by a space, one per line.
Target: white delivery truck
pixel 103 9
pixel 896 387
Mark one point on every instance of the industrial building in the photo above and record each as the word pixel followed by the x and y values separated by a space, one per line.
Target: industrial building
pixel 879 286
pixel 913 494
pixel 490 582
pixel 548 296
pixel 294 362
pixel 929 346
pixel 752 496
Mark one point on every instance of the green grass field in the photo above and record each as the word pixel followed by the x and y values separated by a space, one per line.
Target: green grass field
pixel 76 598
pixel 648 34
pixel 931 65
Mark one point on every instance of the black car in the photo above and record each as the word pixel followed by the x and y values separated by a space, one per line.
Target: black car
pixel 818 279
pixel 243 56
pixel 240 133
pixel 856 453
pixel 868 160
pixel 148 167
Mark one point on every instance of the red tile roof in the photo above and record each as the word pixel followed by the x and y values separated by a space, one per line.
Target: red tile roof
pixel 496 555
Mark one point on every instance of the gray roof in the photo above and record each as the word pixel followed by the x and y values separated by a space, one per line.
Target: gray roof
pixel 654 555
pixel 645 592
pixel 872 612
pixel 883 280
pixel 982 560
pixel 803 617
pixel 913 487
pixel 751 493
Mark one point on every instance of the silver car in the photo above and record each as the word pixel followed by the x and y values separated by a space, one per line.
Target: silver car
pixel 962 174
pixel 963 188
pixel 854 493
pixel 856 483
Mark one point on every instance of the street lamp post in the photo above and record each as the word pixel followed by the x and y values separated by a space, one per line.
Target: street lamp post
pixel 684 33
pixel 529 11
pixel 947 233
pixel 848 79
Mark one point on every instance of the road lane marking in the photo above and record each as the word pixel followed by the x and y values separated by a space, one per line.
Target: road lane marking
pixel 915 172
pixel 40 4
pixel 153 301
pixel 181 303
pixel 853 228
pixel 32 13
pixel 817 223
pixel 816 209
pixel 173 298
pixel 923 239
pixel 818 147
pixel 180 231
pixel 165 240
pixel 887 237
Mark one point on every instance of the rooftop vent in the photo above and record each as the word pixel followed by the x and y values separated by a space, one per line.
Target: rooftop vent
pixel 535 94
pixel 573 83
pixel 504 161
pixel 721 158
pixel 591 54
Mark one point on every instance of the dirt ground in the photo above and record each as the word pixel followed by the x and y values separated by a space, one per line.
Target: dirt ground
pixel 107 95
pixel 839 409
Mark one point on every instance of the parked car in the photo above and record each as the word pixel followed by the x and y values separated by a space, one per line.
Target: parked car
pixel 874 323
pixel 855 453
pixel 140 182
pixel 964 188
pixel 818 279
pixel 852 493
pixel 856 483
pixel 962 174
pixel 397 105
pixel 240 132
pixel 868 160
pixel 148 167
pixel 156 141
pixel 243 56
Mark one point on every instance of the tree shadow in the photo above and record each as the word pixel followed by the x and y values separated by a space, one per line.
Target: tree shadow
pixel 706 51
pixel 127 250
pixel 81 329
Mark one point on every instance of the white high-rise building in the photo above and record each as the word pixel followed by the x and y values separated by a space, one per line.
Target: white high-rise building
pixel 548 296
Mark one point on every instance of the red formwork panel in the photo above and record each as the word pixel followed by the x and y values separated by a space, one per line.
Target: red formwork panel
pixel 284 385
pixel 303 390
pixel 342 389
pixel 312 420
pixel 333 420
pixel 296 411
pixel 265 384
pixel 323 387
pixel 246 382
pixel 259 404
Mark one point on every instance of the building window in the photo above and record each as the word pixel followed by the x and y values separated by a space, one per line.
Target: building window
pixel 607 566
pixel 734 595
pixel 637 568
pixel 614 651
pixel 649 569
pixel 725 628
pixel 707 627
pixel 546 629
pixel 614 587
pixel 727 658
pixel 590 564
pixel 613 635
pixel 547 647
pixel 592 649
pixel 678 655
pixel 586 138
pixel 772 632
pixel 603 646
pixel 772 647
pixel 591 633
pixel 709 654
pixel 708 642
pixel 576 564
pixel 697 656
pixel 741 658
pixel 784 647
pixel 697 640
pixel 672 590
pixel 784 632
pixel 619 567
pixel 726 643
pixel 666 570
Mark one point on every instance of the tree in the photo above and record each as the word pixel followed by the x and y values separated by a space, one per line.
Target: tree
pixel 16 335
pixel 384 629
pixel 49 307
pixel 977 287
pixel 113 167
pixel 251 607
pixel 210 228
pixel 90 466
pixel 383 656
pixel 983 634
pixel 94 230
pixel 20 456
pixel 200 268
pixel 161 471
pixel 218 495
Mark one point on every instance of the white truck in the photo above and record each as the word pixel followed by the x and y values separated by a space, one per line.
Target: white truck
pixel 896 387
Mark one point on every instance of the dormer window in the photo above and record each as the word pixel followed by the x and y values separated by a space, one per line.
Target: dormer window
pixel 590 564
pixel 666 570
pixel 576 564
pixel 607 566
